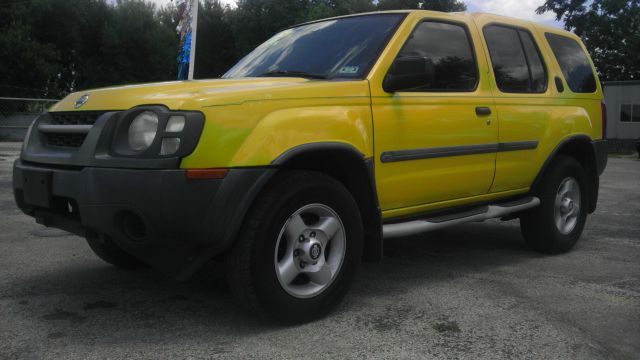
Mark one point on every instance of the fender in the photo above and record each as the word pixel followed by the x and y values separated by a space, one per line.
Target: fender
pixel 593 161
pixel 318 146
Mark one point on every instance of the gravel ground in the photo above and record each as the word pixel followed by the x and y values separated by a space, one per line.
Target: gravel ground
pixel 471 292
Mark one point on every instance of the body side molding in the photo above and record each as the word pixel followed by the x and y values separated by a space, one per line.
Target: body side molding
pixel 437 152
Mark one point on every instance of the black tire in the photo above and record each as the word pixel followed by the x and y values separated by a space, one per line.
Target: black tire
pixel 538 225
pixel 251 270
pixel 106 250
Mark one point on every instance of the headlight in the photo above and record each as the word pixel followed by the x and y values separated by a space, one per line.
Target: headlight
pixel 143 130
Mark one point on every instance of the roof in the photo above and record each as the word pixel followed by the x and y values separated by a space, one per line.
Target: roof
pixel 464 14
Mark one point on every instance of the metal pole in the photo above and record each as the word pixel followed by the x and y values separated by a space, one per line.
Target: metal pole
pixel 194 32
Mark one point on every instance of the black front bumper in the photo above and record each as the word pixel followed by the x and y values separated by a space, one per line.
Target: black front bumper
pixel 178 224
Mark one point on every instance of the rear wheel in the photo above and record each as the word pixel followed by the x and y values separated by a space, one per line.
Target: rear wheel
pixel 556 225
pixel 299 248
pixel 106 250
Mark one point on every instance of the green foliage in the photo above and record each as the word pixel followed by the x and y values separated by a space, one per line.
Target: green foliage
pixel 610 30
pixel 26 66
pixel 51 47
pixel 216 50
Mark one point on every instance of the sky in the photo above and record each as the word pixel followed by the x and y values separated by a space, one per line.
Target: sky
pixel 524 9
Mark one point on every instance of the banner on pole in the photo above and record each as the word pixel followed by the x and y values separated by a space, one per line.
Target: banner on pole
pixel 186 29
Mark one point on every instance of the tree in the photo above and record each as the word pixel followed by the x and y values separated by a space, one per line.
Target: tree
pixel 345 7
pixel 254 21
pixel 27 66
pixel 50 47
pixel 610 30
pixel 133 47
pixel 216 50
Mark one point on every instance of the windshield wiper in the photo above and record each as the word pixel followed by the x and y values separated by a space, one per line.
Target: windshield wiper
pixel 293 73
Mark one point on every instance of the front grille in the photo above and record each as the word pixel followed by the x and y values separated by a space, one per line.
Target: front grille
pixel 65 140
pixel 70 140
pixel 75 117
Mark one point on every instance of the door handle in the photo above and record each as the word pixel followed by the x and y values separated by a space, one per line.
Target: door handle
pixel 483 111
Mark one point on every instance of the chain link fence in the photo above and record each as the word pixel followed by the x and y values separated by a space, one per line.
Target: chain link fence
pixel 16 114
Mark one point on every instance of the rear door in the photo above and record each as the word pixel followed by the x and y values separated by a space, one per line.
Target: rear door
pixel 524 100
pixel 435 142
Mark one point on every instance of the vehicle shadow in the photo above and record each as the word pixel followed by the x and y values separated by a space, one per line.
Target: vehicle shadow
pixel 445 255
pixel 88 301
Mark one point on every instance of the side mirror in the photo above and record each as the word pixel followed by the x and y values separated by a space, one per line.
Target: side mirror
pixel 409 72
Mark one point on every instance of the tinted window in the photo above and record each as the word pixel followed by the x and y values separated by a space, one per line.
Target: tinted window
pixel 574 63
pixel 339 48
pixel 625 112
pixel 635 113
pixel 536 66
pixel 449 48
pixel 517 64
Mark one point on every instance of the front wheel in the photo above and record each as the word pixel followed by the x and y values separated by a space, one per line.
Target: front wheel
pixel 299 248
pixel 556 225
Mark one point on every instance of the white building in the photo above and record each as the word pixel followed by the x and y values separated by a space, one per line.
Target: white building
pixel 623 114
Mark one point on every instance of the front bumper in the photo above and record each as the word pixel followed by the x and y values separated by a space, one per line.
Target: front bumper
pixel 159 216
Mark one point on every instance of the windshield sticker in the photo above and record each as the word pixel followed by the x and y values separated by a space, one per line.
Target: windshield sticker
pixel 349 70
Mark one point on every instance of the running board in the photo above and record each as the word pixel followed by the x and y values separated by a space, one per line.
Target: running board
pixel 480 214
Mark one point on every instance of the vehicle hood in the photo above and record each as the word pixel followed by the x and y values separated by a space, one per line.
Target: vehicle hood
pixel 196 94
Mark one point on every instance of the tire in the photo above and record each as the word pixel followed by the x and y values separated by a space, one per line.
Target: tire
pixel 263 263
pixel 106 250
pixel 563 194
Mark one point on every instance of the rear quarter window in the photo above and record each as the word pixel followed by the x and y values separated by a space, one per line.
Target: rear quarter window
pixel 573 62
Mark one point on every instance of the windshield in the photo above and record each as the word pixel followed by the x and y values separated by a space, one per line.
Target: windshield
pixel 339 48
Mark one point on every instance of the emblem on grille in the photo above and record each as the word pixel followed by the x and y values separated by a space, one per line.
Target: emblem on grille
pixel 82 100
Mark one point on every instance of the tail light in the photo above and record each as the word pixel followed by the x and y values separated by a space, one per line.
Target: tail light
pixel 603 107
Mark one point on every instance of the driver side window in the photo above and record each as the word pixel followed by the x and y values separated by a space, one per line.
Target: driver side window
pixel 448 46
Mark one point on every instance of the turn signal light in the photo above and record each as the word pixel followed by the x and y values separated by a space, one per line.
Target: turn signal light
pixel 204 174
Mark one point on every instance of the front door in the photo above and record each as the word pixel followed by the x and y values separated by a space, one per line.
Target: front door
pixel 436 142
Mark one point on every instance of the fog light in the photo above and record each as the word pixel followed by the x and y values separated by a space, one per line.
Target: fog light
pixel 175 124
pixel 169 146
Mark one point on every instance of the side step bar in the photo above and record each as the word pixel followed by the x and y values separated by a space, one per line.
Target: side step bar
pixel 483 213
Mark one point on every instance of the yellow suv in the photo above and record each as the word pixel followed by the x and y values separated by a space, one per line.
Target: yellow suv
pixel 327 138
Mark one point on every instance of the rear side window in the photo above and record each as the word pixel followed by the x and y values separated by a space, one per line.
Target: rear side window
pixel 574 63
pixel 517 64
pixel 625 112
pixel 449 48
pixel 536 66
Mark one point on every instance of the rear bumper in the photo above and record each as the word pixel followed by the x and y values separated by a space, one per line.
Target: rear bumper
pixel 180 224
